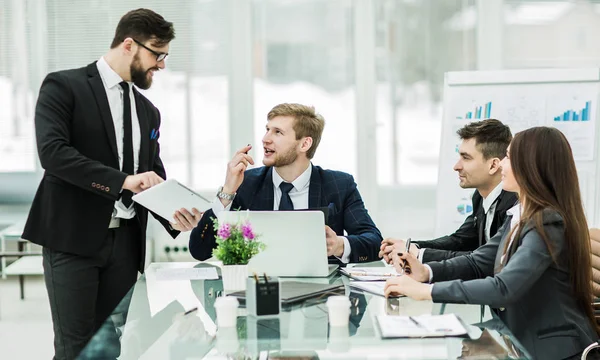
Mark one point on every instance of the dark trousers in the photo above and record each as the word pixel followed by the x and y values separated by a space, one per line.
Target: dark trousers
pixel 83 291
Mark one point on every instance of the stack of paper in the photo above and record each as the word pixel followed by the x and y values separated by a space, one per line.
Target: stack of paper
pixel 369 273
pixel 420 326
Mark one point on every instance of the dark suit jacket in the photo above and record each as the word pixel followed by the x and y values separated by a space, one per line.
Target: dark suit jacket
pixel 531 294
pixel 333 189
pixel 471 234
pixel 77 147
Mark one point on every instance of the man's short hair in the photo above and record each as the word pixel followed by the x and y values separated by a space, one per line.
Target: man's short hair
pixel 307 122
pixel 143 25
pixel 491 136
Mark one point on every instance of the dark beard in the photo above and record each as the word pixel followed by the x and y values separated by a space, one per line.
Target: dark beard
pixel 139 76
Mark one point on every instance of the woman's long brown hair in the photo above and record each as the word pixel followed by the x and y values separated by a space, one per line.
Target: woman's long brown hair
pixel 543 165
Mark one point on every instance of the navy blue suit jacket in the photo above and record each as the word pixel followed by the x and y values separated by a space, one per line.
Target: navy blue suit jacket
pixel 333 189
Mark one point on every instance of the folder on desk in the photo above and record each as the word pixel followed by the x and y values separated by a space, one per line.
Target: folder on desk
pixel 296 291
pixel 373 287
pixel 369 273
pixel 169 196
pixel 420 326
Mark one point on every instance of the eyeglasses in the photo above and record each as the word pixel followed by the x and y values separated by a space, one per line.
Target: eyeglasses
pixel 159 56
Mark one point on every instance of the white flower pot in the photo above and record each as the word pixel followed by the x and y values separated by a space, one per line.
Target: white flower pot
pixel 234 277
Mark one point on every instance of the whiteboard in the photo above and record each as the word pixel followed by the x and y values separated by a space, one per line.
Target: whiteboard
pixel 563 98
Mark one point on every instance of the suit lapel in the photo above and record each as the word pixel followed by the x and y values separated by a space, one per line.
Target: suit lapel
pixel 265 193
pixel 500 253
pixel 144 132
pixel 102 100
pixel 314 189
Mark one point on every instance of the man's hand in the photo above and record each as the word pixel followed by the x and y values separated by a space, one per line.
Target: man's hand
pixel 387 246
pixel 335 243
pixel 235 169
pixel 402 261
pixel 404 285
pixel 186 221
pixel 140 182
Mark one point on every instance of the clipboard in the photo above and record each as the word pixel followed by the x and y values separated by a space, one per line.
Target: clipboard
pixel 169 196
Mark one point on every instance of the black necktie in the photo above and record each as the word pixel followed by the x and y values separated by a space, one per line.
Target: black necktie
pixel 286 201
pixel 127 141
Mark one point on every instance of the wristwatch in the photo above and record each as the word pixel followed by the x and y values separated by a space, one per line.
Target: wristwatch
pixel 225 196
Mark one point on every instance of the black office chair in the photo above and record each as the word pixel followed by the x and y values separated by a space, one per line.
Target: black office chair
pixel 595 246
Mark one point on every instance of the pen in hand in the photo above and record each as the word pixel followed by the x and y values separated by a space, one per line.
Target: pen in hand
pixel 405 264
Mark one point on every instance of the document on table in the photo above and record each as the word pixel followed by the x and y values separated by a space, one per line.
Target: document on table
pixel 373 287
pixel 208 273
pixel 369 273
pixel 420 326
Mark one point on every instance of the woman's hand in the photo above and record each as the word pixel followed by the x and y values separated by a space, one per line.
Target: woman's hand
pixel 408 264
pixel 404 285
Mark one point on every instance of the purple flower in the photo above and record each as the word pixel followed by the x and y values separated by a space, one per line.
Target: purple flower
pixel 225 231
pixel 247 231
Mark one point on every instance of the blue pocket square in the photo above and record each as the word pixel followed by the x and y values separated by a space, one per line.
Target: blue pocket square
pixel 154 134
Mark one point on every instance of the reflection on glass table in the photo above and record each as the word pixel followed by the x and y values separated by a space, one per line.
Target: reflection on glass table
pixel 150 323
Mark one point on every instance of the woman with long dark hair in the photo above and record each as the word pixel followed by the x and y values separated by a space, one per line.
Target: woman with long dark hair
pixel 536 272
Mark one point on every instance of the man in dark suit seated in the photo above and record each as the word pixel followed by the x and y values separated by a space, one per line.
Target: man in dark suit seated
pixel 483 146
pixel 290 181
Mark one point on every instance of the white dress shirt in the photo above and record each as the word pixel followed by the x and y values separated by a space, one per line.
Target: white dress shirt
pixel 489 208
pixel 114 93
pixel 298 195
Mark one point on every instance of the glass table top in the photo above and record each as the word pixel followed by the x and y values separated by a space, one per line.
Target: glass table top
pixel 149 323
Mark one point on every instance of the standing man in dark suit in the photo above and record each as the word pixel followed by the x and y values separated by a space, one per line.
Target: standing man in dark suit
pixel 483 146
pixel 289 181
pixel 97 139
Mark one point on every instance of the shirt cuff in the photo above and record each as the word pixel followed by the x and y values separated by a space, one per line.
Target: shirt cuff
pixel 430 272
pixel 420 256
pixel 217 206
pixel 346 255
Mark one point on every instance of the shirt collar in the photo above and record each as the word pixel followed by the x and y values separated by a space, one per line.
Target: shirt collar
pixel 515 212
pixel 492 196
pixel 301 181
pixel 109 77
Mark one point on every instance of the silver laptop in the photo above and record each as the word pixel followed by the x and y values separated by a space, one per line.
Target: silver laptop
pixel 295 242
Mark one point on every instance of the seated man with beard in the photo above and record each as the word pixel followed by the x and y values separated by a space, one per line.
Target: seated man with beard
pixel 290 181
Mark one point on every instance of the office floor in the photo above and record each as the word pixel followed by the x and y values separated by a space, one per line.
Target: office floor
pixel 25 325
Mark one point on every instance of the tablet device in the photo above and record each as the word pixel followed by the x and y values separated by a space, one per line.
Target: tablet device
pixel 169 196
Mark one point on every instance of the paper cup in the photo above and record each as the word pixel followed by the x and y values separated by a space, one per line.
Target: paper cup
pixel 226 307
pixel 339 310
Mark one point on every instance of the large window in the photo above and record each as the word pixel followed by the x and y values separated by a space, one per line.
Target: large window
pixel 304 54
pixel 191 93
pixel 417 42
pixel 17 56
pixel 571 27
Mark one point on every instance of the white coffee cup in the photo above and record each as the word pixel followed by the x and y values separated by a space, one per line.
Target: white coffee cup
pixel 339 339
pixel 339 310
pixel 226 307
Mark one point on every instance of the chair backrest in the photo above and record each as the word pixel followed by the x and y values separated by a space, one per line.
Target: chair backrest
pixel 595 243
